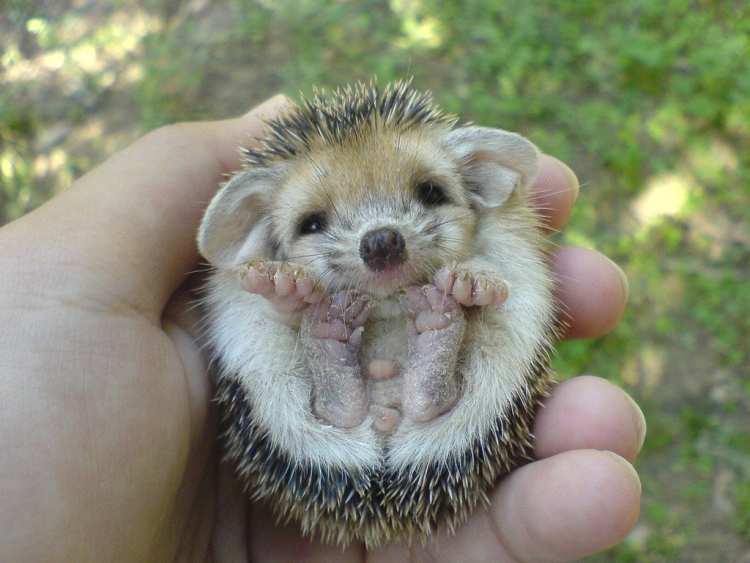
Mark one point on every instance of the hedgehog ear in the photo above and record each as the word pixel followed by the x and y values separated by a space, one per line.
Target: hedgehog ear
pixel 494 163
pixel 235 227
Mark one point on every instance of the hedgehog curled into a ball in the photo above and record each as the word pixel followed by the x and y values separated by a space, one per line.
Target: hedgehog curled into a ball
pixel 379 312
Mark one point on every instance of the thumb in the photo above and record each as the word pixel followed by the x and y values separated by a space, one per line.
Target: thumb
pixel 126 230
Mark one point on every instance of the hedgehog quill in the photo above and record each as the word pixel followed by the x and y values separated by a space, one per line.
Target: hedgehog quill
pixel 379 312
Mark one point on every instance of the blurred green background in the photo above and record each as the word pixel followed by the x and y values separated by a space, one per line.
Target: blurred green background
pixel 649 101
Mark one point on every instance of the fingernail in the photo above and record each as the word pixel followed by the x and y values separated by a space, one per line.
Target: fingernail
pixel 625 464
pixel 270 106
pixel 640 422
pixel 573 182
pixel 623 280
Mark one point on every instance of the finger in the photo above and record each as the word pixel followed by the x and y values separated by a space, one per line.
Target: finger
pixel 132 220
pixel 269 541
pixel 561 508
pixel 589 413
pixel 554 191
pixel 567 506
pixel 229 543
pixel 591 290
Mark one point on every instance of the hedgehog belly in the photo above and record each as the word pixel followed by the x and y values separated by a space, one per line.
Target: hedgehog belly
pixel 378 503
pixel 385 342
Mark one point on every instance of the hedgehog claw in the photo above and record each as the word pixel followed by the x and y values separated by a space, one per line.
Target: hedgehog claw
pixel 472 289
pixel 287 286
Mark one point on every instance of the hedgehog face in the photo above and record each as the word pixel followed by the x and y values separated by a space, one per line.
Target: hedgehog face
pixel 381 211
pixel 377 215
pixel 370 190
pixel 373 190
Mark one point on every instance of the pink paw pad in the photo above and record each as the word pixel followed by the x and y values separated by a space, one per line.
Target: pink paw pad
pixel 385 419
pixel 430 308
pixel 380 370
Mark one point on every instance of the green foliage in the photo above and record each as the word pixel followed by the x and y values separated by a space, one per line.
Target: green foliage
pixel 172 77
pixel 16 157
pixel 743 508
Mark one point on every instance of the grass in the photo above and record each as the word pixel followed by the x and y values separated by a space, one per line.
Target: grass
pixel 649 101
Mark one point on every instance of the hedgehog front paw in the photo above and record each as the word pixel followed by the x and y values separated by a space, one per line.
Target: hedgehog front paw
pixel 431 383
pixel 287 286
pixel 332 335
pixel 470 288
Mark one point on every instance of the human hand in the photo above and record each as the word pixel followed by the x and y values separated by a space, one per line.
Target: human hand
pixel 106 426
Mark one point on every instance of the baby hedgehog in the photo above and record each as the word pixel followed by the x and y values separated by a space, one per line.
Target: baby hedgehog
pixel 379 312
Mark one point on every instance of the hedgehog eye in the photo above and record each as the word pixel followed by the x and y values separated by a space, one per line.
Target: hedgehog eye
pixel 312 224
pixel 431 194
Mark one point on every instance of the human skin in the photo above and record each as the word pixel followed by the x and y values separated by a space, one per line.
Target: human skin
pixel 107 430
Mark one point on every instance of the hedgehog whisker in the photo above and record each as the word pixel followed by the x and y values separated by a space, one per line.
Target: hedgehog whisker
pixel 314 254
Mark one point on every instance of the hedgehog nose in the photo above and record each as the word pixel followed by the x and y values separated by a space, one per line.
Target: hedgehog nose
pixel 382 248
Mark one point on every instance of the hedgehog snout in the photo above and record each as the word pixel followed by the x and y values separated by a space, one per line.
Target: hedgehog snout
pixel 382 248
